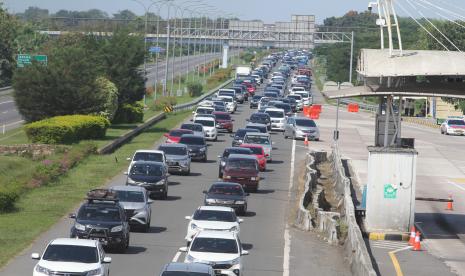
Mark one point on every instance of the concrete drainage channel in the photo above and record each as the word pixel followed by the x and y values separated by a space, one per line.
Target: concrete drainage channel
pixel 326 207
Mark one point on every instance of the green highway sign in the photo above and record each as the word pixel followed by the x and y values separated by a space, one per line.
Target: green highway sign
pixel 25 59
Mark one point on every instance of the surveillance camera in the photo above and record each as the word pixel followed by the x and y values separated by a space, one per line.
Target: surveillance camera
pixel 370 6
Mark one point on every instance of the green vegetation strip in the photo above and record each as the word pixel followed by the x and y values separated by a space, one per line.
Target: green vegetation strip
pixel 41 208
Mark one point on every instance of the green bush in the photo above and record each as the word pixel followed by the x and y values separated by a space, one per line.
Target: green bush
pixel 110 91
pixel 129 113
pixel 195 89
pixel 8 197
pixel 67 129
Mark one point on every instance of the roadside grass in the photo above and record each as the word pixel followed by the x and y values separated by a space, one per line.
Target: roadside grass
pixel 16 169
pixel 40 208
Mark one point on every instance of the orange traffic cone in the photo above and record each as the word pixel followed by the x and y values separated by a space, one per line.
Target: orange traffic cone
pixel 449 204
pixel 306 141
pixel 417 245
pixel 412 236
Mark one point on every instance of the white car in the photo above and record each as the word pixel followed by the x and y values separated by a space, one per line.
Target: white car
pixel 220 249
pixel 209 126
pixel 278 118
pixel 295 89
pixel 263 102
pixel 231 104
pixel 147 155
pixel 306 97
pixel 202 110
pixel 215 218
pixel 455 126
pixel 66 256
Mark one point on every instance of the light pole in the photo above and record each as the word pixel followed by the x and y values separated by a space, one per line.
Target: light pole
pixel 157 55
pixel 167 47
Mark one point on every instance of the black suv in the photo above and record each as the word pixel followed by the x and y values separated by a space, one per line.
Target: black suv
pixel 102 218
pixel 196 145
pixel 227 194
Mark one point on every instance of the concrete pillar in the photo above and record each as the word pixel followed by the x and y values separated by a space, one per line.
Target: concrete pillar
pixel 224 64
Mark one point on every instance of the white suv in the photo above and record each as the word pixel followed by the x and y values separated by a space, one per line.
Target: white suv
pixel 278 118
pixel 231 104
pixel 72 257
pixel 216 218
pixel 203 110
pixel 220 249
pixel 209 126
pixel 147 155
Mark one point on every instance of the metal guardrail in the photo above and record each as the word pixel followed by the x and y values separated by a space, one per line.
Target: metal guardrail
pixel 369 107
pixel 7 90
pixel 112 146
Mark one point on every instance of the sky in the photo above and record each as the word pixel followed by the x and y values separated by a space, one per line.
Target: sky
pixel 268 11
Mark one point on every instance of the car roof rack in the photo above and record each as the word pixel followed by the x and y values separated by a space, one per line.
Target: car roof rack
pixel 102 195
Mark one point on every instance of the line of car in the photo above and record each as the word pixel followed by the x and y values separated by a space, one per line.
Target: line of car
pixel 107 217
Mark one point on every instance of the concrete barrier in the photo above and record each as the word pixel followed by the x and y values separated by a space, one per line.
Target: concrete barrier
pixel 354 246
pixel 304 220
pixel 112 146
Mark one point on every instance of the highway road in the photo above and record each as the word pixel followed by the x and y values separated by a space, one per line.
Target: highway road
pixel 10 117
pixel 275 247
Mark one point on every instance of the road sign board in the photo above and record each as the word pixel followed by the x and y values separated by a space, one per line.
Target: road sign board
pixel 168 108
pixel 26 59
pixel 156 49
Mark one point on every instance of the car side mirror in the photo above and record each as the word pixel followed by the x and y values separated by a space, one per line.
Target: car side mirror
pixel 35 256
pixel 248 120
pixel 204 191
pixel 272 143
pixel 247 194
pixel 191 120
pixel 219 156
pixel 72 215
pixel 245 253
pixel 106 260
pixel 128 159
pixel 240 220
pixel 188 217
pixel 125 173
pixel 183 249
pixel 150 201
pixel 166 134
pixel 193 112
pixel 231 135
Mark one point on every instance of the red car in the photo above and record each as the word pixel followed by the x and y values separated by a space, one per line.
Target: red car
pixel 242 169
pixel 175 135
pixel 224 121
pixel 258 151
pixel 250 88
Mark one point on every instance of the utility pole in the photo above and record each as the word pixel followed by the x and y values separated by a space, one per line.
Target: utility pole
pixel 167 51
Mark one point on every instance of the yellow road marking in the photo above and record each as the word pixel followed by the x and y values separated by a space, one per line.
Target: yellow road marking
pixel 458 180
pixel 395 262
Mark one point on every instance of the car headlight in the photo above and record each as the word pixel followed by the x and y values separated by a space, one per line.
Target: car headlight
pixel 233 229
pixel 240 202
pixel 161 182
pixel 118 228
pixel 254 178
pixel 210 200
pixel 223 163
pixel 189 259
pixel 130 181
pixel 202 149
pixel 236 261
pixel 140 212
pixel 183 162
pixel 227 176
pixel 79 227
pixel 194 226
pixel 43 270
pixel 94 272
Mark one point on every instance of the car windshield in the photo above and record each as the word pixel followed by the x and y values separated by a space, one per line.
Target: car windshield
pixel 298 89
pixel 456 122
pixel 192 140
pixel 295 97
pixel 303 94
pixel 227 152
pixel 184 273
pixel 305 123
pixel 148 156
pixel 228 99
pixel 218 103
pixel 257 117
pixel 214 245
pixel 146 169
pixel 286 107
pixel 192 127
pixel 177 133
pixel 271 94
pixel 99 213
pixel 256 150
pixel 226 190
pixel 261 129
pixel 261 140
pixel 206 123
pixel 242 132
pixel 265 100
pixel 241 164
pixel 204 111
pixel 130 196
pixel 71 253
pixel 174 150
pixel 223 116
pixel 275 114
pixel 214 215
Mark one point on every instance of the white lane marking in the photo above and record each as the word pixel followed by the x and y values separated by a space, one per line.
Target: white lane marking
pixel 6 102
pixel 176 257
pixel 14 123
pixel 456 185
pixel 287 236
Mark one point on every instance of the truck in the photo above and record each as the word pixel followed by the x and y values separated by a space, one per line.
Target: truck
pixel 243 71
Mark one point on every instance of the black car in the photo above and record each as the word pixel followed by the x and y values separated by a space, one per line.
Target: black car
pixel 239 135
pixel 260 127
pixel 227 151
pixel 292 102
pixel 260 118
pixel 196 145
pixel 153 176
pixel 102 218
pixel 254 101
pixel 227 194
pixel 286 107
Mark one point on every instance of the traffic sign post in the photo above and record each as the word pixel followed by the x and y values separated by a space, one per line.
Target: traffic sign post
pixel 156 49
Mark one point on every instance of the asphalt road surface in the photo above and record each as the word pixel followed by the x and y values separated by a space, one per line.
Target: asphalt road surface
pixel 275 247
